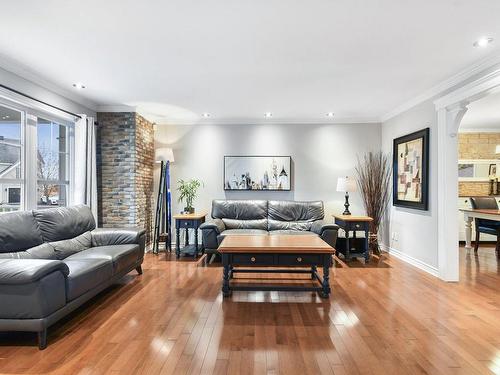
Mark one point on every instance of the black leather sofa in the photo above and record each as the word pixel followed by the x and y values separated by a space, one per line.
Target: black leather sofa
pixel 230 217
pixel 54 260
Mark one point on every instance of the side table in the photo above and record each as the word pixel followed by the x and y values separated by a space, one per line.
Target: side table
pixel 186 222
pixel 351 223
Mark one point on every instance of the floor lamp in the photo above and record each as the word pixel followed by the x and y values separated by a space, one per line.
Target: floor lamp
pixel 163 216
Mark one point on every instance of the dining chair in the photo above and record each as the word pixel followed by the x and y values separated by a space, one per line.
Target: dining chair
pixel 483 225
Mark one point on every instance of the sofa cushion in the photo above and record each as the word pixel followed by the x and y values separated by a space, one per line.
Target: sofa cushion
pixel 61 223
pixel 239 232
pixel 239 209
pixel 86 274
pixel 122 256
pixel 289 225
pixel 295 211
pixel 292 232
pixel 245 224
pixel 65 248
pixel 19 231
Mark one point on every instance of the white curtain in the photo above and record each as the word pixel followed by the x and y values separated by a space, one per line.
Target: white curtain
pixel 85 179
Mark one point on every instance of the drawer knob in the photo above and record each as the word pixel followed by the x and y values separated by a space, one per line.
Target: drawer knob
pixel 252 259
pixel 299 259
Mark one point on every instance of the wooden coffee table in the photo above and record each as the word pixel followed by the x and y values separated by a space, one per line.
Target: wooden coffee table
pixel 287 251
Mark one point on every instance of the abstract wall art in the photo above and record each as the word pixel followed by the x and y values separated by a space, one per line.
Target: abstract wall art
pixel 257 173
pixel 411 170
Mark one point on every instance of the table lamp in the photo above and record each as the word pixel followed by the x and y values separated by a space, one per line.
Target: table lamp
pixel 347 185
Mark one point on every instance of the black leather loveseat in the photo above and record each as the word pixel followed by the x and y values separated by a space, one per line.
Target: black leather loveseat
pixel 54 260
pixel 230 217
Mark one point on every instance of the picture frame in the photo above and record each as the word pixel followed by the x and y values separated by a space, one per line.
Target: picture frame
pixel 411 170
pixel 257 173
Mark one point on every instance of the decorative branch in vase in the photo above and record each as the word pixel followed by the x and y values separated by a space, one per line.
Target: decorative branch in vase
pixel 374 182
pixel 188 191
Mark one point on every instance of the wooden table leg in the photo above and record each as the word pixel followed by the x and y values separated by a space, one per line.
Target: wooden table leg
pixel 313 272
pixel 225 275
pixel 347 247
pixel 367 247
pixel 468 233
pixel 326 277
pixel 195 242
pixel 177 241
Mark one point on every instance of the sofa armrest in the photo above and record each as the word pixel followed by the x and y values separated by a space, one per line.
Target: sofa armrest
pixel 214 224
pixel 320 226
pixel 209 232
pixel 124 236
pixel 25 271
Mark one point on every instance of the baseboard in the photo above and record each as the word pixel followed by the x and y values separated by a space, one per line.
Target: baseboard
pixel 411 260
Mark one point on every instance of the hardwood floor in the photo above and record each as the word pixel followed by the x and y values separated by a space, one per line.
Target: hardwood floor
pixel 385 318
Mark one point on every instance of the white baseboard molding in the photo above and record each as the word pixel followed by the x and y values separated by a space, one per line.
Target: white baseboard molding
pixel 411 260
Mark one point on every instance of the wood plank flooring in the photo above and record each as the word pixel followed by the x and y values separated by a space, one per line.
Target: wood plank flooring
pixel 383 318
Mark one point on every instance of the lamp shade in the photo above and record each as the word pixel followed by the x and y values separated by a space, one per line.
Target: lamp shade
pixel 497 149
pixel 164 154
pixel 346 184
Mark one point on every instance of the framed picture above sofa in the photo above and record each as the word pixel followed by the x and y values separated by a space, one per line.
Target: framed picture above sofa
pixel 257 173
pixel 411 170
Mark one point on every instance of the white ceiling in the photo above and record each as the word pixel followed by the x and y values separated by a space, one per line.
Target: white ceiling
pixel 238 59
pixel 483 114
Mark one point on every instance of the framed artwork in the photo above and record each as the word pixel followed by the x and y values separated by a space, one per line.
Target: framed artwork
pixel 411 170
pixel 272 173
pixel 492 170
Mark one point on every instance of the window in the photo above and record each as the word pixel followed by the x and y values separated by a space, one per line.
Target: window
pixel 11 152
pixel 52 163
pixel 35 159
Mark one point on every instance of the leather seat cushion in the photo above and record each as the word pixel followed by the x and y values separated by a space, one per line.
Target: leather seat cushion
pixel 239 232
pixel 245 224
pixel 289 225
pixel 122 256
pixel 86 274
pixel 292 232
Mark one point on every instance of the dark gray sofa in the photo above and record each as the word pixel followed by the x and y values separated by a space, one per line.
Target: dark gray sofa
pixel 230 217
pixel 54 260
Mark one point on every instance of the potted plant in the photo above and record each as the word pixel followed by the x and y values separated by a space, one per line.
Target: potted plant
pixel 188 191
pixel 374 182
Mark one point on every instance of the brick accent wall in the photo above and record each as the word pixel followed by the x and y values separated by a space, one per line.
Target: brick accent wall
pixel 125 157
pixel 476 146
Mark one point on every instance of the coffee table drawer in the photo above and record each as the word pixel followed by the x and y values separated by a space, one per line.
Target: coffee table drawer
pixel 297 260
pixel 262 259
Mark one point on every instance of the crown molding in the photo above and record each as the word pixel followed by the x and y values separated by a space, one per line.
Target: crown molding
pixel 116 108
pixel 253 121
pixel 477 67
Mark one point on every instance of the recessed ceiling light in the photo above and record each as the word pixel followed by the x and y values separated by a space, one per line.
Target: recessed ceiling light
pixel 5 117
pixel 78 85
pixel 483 42
pixel 206 115
pixel 330 114
pixel 268 114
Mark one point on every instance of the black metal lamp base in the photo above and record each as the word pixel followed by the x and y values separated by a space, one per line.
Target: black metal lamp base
pixel 346 205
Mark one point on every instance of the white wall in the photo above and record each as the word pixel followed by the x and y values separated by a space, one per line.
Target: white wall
pixel 320 154
pixel 416 231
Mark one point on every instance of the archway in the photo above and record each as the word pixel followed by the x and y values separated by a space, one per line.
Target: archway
pixel 450 110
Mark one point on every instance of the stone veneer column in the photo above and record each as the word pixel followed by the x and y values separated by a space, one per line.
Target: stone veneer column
pixel 125 161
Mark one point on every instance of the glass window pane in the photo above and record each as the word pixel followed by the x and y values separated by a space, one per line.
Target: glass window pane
pixel 52 195
pixel 10 160
pixel 53 157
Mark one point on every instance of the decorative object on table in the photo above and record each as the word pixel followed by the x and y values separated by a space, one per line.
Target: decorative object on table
pixel 188 191
pixel 374 176
pixel 349 223
pixel 257 173
pixel 346 185
pixel 186 222
pixel 163 216
pixel 411 170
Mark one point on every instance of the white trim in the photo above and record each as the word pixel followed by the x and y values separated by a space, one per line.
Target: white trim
pixel 256 121
pixel 447 84
pixel 478 130
pixel 411 260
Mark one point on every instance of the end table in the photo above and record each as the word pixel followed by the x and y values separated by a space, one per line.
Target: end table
pixel 351 223
pixel 186 222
